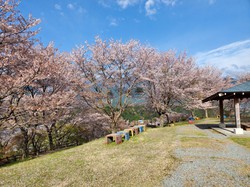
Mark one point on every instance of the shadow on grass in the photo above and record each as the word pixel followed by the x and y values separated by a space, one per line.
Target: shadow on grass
pixel 32 157
pixel 209 126
pixel 10 163
pixel 206 126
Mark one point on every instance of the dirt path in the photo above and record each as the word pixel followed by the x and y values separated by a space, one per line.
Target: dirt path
pixel 208 159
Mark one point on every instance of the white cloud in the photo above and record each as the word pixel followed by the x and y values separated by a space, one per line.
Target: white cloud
pixel 232 59
pixel 70 6
pixel 105 3
pixel 58 7
pixel 81 10
pixel 170 2
pixel 113 21
pixel 149 7
pixel 125 3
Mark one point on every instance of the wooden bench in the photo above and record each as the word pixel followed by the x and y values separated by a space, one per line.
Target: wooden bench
pixel 144 127
pixel 136 130
pixel 125 135
pixel 140 128
pixel 117 138
pixel 131 131
pixel 246 126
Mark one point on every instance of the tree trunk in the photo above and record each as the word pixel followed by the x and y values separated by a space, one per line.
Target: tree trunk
pixel 34 142
pixel 162 119
pixel 115 118
pixel 25 145
pixel 50 137
pixel 192 113
pixel 167 116
pixel 34 145
pixel 51 144
pixel 206 113
pixel 114 127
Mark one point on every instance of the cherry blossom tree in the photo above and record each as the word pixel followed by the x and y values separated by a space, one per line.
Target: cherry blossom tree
pixel 17 68
pixel 244 77
pixel 16 53
pixel 211 81
pixel 172 81
pixel 111 70
pixel 176 81
pixel 50 96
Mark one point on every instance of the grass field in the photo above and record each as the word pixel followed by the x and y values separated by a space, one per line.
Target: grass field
pixel 245 141
pixel 142 161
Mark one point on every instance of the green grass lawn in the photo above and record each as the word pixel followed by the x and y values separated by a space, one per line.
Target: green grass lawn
pixel 145 160
pixel 245 141
pixel 201 121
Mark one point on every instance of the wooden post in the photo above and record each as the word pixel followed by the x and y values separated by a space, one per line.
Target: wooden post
pixel 238 129
pixel 237 112
pixel 206 113
pixel 221 114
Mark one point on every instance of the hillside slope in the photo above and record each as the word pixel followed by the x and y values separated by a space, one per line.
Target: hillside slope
pixel 145 160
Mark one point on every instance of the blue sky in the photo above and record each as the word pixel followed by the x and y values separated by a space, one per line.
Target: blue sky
pixel 215 32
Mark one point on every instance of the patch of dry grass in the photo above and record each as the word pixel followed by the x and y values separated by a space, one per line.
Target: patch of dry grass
pixel 191 131
pixel 245 171
pixel 145 160
pixel 245 141
pixel 203 142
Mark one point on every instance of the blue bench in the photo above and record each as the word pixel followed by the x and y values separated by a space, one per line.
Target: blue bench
pixel 124 134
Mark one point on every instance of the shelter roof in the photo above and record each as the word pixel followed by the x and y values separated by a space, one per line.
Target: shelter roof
pixel 239 91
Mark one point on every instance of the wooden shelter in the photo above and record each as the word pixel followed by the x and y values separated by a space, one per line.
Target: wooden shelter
pixel 236 93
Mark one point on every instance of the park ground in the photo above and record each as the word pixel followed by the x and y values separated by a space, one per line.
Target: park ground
pixel 183 155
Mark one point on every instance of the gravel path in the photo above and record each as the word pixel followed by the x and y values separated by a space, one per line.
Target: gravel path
pixel 224 164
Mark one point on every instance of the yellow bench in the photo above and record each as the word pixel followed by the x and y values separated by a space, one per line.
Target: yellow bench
pixel 131 131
